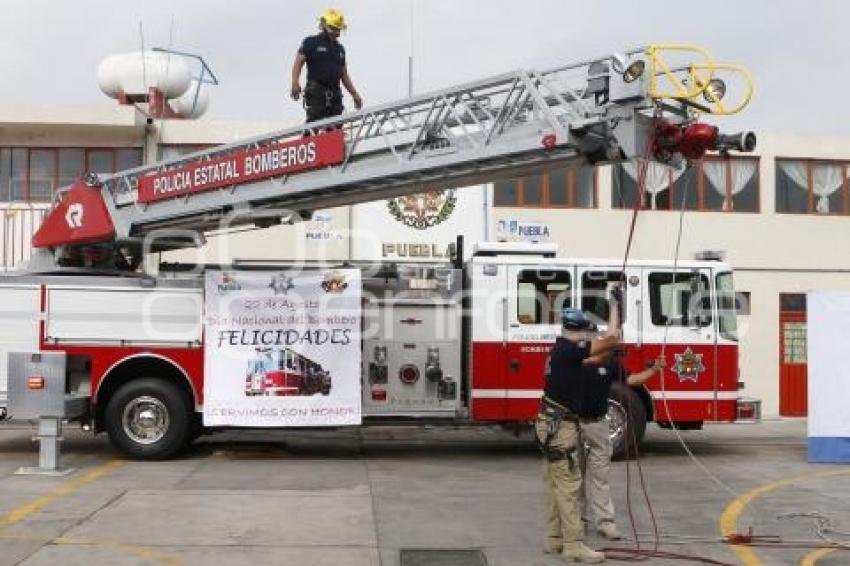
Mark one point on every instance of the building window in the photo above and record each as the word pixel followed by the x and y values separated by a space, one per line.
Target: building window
pixel 720 184
pixel 572 187
pixel 541 294
pixel 34 174
pixel 792 302
pixel 811 187
pixel 727 306
pixel 680 301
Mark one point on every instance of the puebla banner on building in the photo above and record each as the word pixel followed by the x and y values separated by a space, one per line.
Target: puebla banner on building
pixel 282 348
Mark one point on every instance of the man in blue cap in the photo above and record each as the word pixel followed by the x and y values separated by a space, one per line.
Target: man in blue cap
pixel 557 428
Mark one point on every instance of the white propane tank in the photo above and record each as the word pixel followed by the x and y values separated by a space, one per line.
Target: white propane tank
pixel 134 73
pixel 108 78
pixel 187 106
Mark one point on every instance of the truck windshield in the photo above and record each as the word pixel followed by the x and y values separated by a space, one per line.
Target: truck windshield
pixel 726 308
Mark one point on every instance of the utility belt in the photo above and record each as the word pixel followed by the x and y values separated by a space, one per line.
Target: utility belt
pixel 554 414
pixel 591 420
pixel 553 410
pixel 323 88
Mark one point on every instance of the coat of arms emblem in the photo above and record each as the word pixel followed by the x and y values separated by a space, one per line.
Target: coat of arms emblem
pixel 334 282
pixel 688 365
pixel 423 210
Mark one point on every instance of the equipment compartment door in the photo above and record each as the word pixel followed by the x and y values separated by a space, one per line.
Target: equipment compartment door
pixel 19 333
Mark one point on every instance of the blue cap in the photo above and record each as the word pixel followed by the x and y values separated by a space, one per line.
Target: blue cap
pixel 575 319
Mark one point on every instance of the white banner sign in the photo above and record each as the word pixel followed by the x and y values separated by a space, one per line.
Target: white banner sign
pixel 282 348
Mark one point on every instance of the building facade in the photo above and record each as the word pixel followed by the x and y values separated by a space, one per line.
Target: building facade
pixel 780 217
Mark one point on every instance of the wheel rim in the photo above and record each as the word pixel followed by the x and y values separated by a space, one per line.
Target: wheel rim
pixel 617 419
pixel 145 420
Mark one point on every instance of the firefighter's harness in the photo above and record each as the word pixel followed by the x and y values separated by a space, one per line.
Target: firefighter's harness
pixel 554 414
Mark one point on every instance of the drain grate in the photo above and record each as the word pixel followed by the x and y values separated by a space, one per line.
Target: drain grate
pixel 442 557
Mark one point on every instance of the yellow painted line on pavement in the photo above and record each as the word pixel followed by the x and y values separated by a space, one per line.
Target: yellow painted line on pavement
pixel 67 488
pixel 140 551
pixel 729 518
pixel 811 558
pixel 19 514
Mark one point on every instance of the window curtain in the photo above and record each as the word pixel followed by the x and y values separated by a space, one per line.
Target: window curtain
pixel 826 179
pixel 657 179
pixel 742 172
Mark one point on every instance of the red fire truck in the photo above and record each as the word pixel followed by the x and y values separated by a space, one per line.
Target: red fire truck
pixel 285 373
pixel 104 337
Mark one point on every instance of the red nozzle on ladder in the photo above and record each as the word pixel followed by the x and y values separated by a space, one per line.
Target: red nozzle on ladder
pixel 80 217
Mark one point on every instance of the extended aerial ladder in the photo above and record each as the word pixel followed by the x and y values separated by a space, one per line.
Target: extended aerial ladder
pixel 645 103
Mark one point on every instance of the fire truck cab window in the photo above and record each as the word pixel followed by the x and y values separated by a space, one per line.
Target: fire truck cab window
pixel 595 291
pixel 683 301
pixel 727 309
pixel 541 294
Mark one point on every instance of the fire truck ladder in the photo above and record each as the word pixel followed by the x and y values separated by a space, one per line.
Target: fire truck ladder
pixel 606 109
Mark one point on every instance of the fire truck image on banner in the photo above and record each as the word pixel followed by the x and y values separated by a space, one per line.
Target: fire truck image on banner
pixel 285 373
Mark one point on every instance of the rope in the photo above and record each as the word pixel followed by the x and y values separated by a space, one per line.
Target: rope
pixel 637 554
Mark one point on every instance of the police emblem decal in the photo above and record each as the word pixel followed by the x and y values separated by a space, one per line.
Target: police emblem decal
pixel 281 284
pixel 688 365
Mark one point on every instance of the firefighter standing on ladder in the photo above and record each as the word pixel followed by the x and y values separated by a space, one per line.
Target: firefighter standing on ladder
pixel 326 68
pixel 557 429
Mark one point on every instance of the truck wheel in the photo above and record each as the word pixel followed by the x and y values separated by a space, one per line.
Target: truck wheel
pixel 148 419
pixel 627 421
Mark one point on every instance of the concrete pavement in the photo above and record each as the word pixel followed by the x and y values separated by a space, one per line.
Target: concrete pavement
pixel 358 497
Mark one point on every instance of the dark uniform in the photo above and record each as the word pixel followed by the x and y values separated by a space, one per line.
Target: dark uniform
pixel 557 432
pixel 325 57
pixel 597 381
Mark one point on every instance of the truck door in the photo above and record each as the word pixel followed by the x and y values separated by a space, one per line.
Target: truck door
pixel 679 310
pixel 536 295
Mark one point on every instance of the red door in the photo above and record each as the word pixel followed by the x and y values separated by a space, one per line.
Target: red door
pixel 793 364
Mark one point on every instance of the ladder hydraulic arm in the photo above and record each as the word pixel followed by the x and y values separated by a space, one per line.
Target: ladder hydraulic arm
pixel 610 109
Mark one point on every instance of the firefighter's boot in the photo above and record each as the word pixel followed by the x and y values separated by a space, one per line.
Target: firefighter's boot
pixel 609 530
pixel 578 552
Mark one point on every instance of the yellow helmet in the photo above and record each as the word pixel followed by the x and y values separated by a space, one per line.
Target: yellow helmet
pixel 333 18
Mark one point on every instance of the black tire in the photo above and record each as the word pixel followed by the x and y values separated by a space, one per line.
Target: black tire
pixel 158 398
pixel 196 427
pixel 624 401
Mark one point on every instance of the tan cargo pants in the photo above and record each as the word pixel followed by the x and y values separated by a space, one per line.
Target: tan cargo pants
pixel 562 479
pixel 595 467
